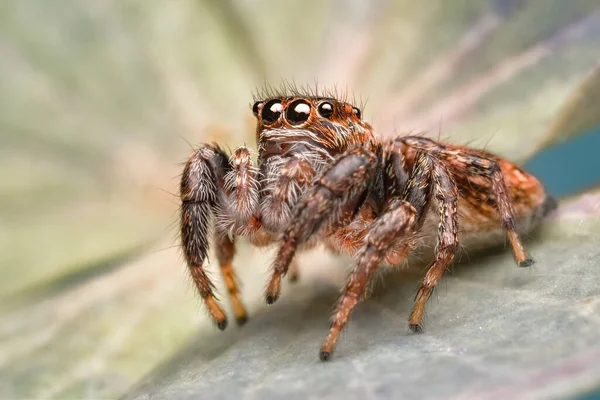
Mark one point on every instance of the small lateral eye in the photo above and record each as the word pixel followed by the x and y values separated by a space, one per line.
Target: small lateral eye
pixel 325 109
pixel 356 112
pixel 271 111
pixel 298 112
pixel 255 108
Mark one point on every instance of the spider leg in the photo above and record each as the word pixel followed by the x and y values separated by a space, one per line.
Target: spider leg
pixel 225 249
pixel 401 219
pixel 490 169
pixel 397 222
pixel 204 191
pixel 446 192
pixel 450 165
pixel 345 178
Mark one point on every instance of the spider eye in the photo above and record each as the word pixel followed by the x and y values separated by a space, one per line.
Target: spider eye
pixel 356 112
pixel 271 111
pixel 255 108
pixel 325 109
pixel 298 112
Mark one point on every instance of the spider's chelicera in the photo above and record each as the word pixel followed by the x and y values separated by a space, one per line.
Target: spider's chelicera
pixel 325 177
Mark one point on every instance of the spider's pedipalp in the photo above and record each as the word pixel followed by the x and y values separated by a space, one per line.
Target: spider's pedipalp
pixel 242 186
pixel 285 180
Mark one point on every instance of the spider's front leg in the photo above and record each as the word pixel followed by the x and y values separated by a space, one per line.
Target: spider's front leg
pixel 212 185
pixel 345 179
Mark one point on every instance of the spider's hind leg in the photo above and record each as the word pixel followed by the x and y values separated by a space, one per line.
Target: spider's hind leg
pixel 454 168
pixel 490 169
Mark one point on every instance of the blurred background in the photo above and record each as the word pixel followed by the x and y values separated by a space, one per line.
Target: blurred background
pixel 102 101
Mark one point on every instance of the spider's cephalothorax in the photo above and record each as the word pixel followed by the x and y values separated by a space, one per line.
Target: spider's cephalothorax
pixel 323 176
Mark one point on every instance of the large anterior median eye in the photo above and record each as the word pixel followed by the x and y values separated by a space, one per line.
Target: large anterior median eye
pixel 298 112
pixel 271 111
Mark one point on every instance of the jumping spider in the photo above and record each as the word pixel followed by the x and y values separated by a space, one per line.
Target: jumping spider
pixel 325 177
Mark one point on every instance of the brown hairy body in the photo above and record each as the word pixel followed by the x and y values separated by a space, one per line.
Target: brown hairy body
pixel 325 177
